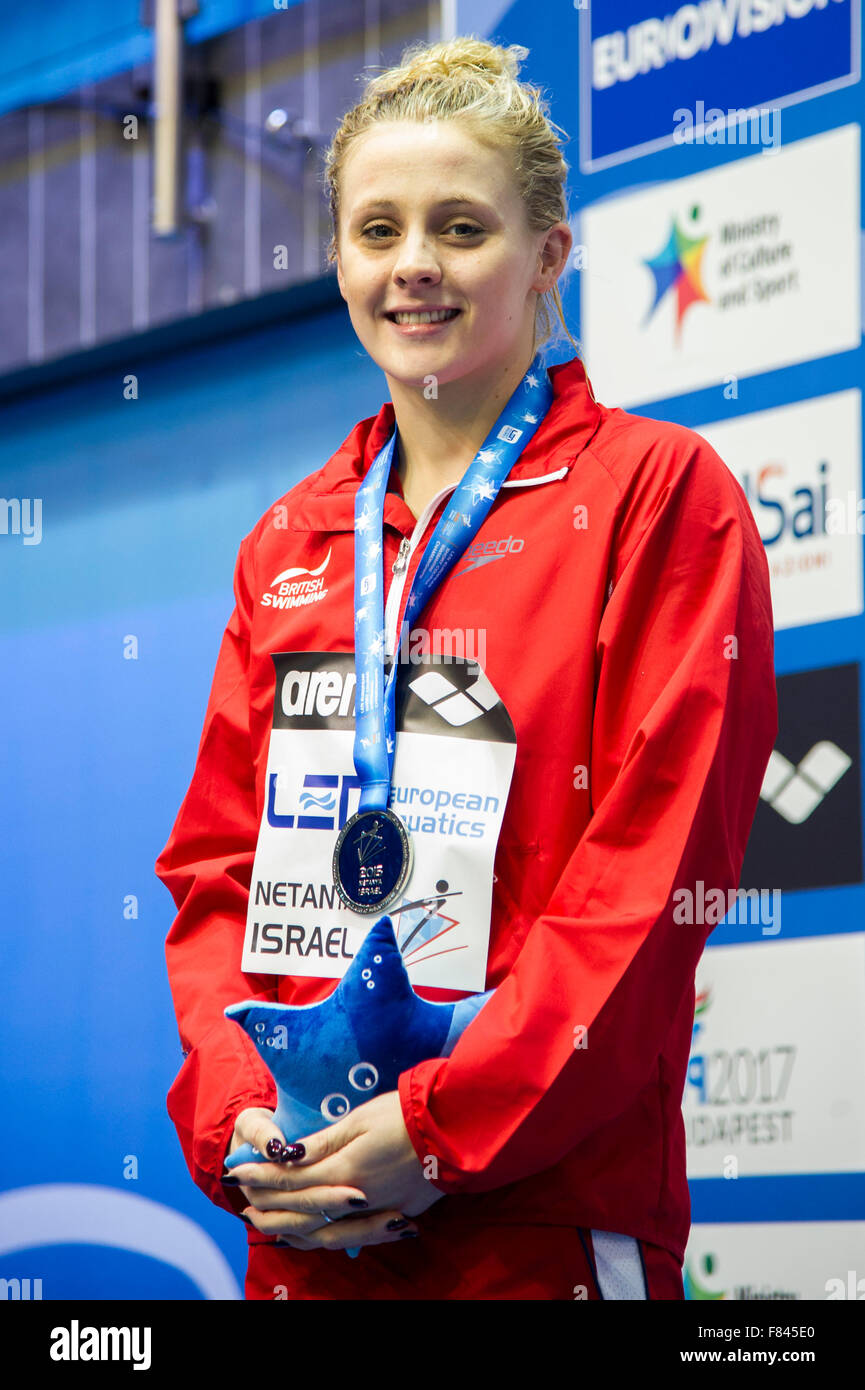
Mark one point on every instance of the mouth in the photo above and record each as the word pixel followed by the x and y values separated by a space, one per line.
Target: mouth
pixel 423 318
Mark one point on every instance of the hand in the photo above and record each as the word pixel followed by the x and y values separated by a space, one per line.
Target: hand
pixel 368 1152
pixel 295 1208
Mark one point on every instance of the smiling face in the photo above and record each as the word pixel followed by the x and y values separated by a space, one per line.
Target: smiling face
pixel 431 219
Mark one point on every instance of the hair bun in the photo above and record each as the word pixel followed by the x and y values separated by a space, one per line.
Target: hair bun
pixel 463 54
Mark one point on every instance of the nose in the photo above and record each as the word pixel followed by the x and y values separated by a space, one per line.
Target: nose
pixel 416 262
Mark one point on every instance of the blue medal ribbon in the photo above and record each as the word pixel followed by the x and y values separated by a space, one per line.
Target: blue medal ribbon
pixel 375 699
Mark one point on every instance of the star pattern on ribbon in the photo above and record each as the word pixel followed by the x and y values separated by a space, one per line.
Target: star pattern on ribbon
pixel 482 490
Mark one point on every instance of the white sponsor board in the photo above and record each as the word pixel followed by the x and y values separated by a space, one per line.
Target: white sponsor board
pixel 742 269
pixel 801 468
pixel 454 760
pixel 779 1261
pixel 776 1076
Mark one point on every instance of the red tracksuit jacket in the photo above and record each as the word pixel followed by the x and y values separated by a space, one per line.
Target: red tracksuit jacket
pixel 629 635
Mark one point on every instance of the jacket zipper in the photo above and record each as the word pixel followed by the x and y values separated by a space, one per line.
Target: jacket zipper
pixel 407 547
pixel 401 560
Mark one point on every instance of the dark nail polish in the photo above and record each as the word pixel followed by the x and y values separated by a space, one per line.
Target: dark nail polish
pixel 358 1202
pixel 230 1182
pixel 404 1235
pixel 274 1148
pixel 396 1223
pixel 292 1152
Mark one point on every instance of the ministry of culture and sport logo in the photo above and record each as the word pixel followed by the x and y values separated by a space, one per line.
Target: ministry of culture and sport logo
pixel 697 1290
pixel 694 1289
pixel 677 269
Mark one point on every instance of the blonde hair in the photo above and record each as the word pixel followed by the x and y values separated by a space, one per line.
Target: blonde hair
pixel 476 83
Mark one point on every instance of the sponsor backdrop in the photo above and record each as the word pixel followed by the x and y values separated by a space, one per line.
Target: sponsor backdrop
pixel 716 193
pixel 715 158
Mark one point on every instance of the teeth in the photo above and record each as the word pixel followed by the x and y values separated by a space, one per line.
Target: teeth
pixel 438 316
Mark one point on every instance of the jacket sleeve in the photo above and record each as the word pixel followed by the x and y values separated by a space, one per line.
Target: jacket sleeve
pixel 684 721
pixel 207 865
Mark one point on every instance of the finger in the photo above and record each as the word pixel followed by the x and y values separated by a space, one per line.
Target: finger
pixel 256 1127
pixel 292 1225
pixel 311 1201
pixel 381 1228
pixel 292 1177
pixel 328 1141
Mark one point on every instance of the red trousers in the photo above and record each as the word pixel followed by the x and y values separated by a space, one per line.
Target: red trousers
pixel 450 1260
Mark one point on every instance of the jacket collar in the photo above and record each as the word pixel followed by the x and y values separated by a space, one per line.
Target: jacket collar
pixel 570 422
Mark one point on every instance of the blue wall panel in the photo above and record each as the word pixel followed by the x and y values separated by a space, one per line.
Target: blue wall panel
pixel 144 506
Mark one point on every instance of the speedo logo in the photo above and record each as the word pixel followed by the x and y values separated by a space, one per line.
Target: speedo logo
pixel 483 552
pixel 297 587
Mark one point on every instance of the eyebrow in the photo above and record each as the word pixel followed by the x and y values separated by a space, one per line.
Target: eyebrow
pixel 381 203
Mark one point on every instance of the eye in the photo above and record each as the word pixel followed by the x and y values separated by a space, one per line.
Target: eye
pixel 377 227
pixel 470 228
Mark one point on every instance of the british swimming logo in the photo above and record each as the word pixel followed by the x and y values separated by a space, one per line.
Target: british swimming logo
pixel 297 587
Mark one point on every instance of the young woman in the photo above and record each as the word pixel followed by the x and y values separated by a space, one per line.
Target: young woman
pixel 616 588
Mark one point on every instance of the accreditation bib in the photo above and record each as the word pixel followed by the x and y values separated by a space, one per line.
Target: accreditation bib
pixel 454 761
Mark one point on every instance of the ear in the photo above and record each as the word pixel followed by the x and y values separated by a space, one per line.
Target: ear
pixel 553 256
pixel 340 278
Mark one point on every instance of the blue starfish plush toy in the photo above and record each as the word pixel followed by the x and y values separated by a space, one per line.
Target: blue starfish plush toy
pixel 328 1057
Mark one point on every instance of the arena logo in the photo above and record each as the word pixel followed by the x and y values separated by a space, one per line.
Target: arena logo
pixel 807 830
pixel 796 792
pixel 331 694
pixel 297 587
pixel 323 693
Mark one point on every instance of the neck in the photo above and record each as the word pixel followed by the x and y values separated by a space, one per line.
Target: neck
pixel 438 438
